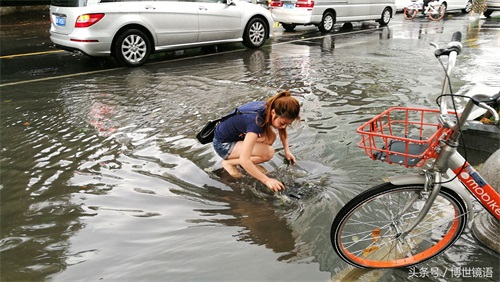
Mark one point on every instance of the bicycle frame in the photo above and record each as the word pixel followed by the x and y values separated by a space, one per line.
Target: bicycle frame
pixel 431 10
pixel 450 159
pixel 418 6
pixel 470 179
pixel 478 187
pixel 415 217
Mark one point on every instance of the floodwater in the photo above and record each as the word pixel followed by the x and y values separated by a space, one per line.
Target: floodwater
pixel 103 179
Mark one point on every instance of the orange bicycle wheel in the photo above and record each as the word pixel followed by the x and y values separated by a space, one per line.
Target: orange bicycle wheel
pixel 367 231
pixel 409 13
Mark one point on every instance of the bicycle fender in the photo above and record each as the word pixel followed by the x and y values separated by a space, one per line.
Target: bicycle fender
pixel 454 185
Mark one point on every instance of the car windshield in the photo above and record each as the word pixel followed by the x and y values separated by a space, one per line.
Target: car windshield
pixel 68 3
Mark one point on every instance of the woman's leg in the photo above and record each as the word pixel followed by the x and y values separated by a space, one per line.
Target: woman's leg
pixel 231 168
pixel 262 152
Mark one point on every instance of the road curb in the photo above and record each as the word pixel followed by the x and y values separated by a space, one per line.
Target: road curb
pixel 485 227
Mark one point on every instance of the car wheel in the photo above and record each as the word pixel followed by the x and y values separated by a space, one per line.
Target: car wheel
pixel 327 23
pixel 255 33
pixel 288 27
pixel 385 18
pixel 468 7
pixel 132 48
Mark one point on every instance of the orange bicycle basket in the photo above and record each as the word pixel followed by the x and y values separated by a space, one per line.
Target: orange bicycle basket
pixel 404 136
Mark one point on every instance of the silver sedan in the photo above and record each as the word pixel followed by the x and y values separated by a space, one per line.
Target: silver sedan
pixel 131 30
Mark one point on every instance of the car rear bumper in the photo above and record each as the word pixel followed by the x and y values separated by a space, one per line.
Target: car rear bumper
pixel 90 46
pixel 296 16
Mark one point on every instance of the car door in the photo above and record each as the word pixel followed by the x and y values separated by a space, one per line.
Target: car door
pixel 455 4
pixel 378 6
pixel 218 21
pixel 174 22
pixel 358 9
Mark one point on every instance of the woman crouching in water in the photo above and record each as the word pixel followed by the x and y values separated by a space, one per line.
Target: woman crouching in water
pixel 246 138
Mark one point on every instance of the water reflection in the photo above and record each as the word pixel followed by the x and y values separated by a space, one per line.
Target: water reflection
pixel 422 29
pixel 38 211
pixel 482 48
pixel 472 34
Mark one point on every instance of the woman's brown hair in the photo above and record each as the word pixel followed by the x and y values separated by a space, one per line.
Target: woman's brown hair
pixel 284 105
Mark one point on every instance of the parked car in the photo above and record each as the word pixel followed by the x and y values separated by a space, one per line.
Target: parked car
pixel 401 4
pixel 464 6
pixel 133 29
pixel 492 5
pixel 325 13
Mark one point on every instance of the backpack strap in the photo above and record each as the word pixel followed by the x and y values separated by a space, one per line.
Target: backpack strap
pixel 236 112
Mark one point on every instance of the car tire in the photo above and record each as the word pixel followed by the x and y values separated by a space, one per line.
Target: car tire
pixel 468 7
pixel 327 23
pixel 255 34
pixel 410 12
pixel 386 17
pixel 132 48
pixel 288 27
pixel 441 12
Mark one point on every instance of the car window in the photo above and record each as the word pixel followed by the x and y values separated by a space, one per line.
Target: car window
pixel 107 1
pixel 177 0
pixel 68 3
pixel 211 1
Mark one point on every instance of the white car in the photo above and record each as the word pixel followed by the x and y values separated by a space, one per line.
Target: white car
pixel 492 5
pixel 131 30
pixel 464 6
pixel 325 13
pixel 401 4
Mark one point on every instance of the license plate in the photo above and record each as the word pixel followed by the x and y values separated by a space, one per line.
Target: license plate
pixel 289 6
pixel 60 21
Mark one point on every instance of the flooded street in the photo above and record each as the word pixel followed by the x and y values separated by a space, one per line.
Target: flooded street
pixel 102 177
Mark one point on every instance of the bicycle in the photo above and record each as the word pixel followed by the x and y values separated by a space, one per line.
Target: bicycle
pixel 413 218
pixel 434 10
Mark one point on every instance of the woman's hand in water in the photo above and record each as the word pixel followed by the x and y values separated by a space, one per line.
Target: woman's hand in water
pixel 290 158
pixel 274 185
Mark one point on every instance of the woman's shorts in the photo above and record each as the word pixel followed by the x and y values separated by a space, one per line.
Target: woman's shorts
pixel 223 149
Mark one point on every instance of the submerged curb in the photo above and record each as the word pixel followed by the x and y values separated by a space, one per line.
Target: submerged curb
pixel 485 227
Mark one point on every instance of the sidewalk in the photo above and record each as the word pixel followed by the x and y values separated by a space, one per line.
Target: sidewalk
pixel 24 30
pixel 23 14
pixel 9 10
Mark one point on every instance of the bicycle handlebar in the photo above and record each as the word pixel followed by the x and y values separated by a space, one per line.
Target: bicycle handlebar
pixel 453 49
pixel 457 36
pixel 455 44
pixel 479 100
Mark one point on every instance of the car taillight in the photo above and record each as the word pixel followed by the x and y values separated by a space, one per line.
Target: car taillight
pixel 305 3
pixel 276 3
pixel 88 20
